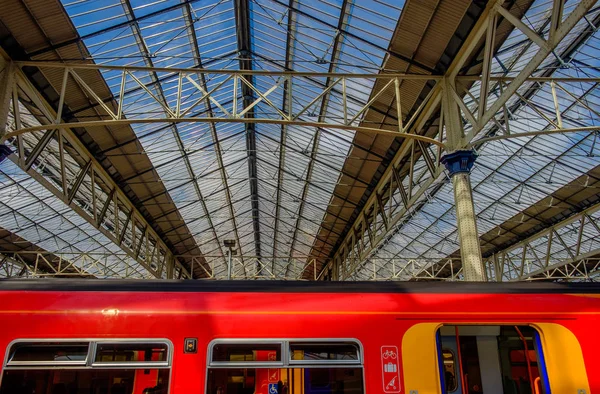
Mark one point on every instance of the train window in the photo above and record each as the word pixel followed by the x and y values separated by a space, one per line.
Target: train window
pixel 449 370
pixel 329 352
pixel 131 353
pixel 246 352
pixel 127 367
pixel 303 372
pixel 63 381
pixel 40 353
pixel 338 380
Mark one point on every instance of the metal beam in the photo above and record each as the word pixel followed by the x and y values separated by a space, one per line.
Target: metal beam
pixel 287 103
pixel 42 264
pixel 324 103
pixel 244 45
pixel 227 115
pixel 90 193
pixel 573 245
pixel 6 92
pixel 136 31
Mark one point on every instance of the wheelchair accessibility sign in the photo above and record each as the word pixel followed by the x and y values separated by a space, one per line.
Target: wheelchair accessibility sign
pixel 272 388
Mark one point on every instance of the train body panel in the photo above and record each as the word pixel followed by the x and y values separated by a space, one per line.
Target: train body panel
pixel 377 320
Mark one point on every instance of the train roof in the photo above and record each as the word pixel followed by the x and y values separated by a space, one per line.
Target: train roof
pixel 264 286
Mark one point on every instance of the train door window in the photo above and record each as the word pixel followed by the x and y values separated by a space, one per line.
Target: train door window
pixel 288 367
pixel 495 357
pixel 449 362
pixel 61 367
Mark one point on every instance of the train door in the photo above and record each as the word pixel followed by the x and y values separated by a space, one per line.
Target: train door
pixel 491 360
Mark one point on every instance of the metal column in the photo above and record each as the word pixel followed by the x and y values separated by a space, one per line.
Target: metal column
pixel 459 164
pixel 7 81
pixel 170 261
pixel 229 264
pixel 6 90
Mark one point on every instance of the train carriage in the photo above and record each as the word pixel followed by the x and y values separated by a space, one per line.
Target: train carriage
pixel 258 337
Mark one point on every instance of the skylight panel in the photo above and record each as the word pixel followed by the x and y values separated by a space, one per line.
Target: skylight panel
pixel 19 193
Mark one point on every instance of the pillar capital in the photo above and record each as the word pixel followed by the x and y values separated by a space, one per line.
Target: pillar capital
pixel 459 161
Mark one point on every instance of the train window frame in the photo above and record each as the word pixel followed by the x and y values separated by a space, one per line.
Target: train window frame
pixel 253 364
pixel 286 361
pixel 327 362
pixel 286 356
pixel 12 347
pixel 132 364
pixel 454 363
pixel 90 358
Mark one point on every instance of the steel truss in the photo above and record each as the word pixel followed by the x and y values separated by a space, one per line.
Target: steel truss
pixel 301 109
pixel 568 250
pixel 404 269
pixel 401 191
pixel 256 267
pixel 13 268
pixel 59 161
pixel 46 148
pixel 42 264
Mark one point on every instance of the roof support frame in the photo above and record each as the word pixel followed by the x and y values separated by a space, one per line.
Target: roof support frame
pixel 23 90
pixel 330 83
pixel 59 263
pixel 525 99
pixel 244 45
pixel 287 101
pixel 479 30
pixel 134 25
pixel 515 263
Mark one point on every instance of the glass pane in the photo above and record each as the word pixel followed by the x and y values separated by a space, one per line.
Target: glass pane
pixel 285 381
pixel 324 351
pixel 246 352
pixel 449 370
pixel 113 381
pixel 48 352
pixel 131 352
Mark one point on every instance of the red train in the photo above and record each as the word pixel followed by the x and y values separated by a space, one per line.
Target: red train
pixel 181 337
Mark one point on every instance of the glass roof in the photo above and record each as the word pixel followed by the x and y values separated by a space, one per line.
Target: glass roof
pixel 268 186
pixel 205 167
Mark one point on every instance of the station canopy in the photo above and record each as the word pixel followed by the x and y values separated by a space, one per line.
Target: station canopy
pixel 173 140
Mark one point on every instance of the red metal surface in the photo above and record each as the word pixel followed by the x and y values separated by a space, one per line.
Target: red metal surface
pixel 374 319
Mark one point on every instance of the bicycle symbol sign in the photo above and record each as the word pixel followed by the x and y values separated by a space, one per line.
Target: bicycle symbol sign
pixel 389 354
pixel 390 369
